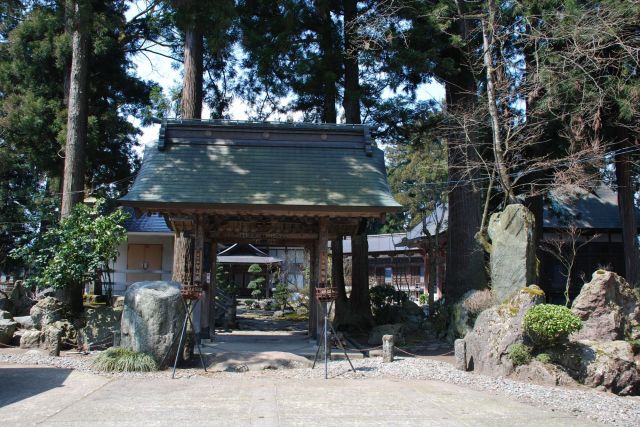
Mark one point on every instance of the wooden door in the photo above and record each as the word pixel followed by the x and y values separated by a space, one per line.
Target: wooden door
pixel 144 262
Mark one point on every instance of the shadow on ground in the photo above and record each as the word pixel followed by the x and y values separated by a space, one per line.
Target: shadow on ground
pixel 17 384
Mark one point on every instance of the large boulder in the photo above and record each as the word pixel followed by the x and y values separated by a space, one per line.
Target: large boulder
pixel 495 330
pixel 152 318
pixel 46 311
pixel 67 331
pixel 7 329
pixel 607 365
pixel 542 373
pixel 99 325
pixel 465 312
pixel 5 302
pixel 513 250
pixel 609 309
pixel 395 329
pixel 24 322
pixel 32 338
pixel 21 298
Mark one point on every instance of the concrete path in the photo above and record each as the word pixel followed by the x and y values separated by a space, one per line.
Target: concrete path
pixel 57 397
pixel 256 350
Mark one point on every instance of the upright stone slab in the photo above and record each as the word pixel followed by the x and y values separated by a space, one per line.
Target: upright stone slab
pixel 388 348
pixel 152 317
pixel 513 254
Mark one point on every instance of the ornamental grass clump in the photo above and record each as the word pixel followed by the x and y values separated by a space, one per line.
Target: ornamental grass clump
pixel 118 359
pixel 548 325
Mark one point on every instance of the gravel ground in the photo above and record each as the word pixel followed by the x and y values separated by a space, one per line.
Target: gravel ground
pixel 598 406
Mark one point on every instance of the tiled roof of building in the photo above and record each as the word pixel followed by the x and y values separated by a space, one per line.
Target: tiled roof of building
pixel 593 210
pixel 153 223
pixel 220 163
pixel 437 220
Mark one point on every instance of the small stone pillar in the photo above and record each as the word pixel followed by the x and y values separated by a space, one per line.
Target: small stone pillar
pixel 388 348
pixel 52 341
pixel 460 350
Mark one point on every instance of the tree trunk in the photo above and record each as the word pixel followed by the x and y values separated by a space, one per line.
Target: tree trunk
pixel 351 101
pixel 327 41
pixel 182 259
pixel 191 102
pixel 360 316
pixel 626 206
pixel 337 279
pixel 465 258
pixel 498 151
pixel 73 184
pixel 183 274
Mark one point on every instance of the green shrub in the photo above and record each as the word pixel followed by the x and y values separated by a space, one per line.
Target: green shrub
pixel 519 354
pixel 118 359
pixel 544 358
pixel 549 324
pixel 248 302
pixel 281 295
pixel 423 299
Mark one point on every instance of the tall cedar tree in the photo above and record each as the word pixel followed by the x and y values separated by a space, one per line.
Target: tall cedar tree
pixel 79 12
pixel 33 115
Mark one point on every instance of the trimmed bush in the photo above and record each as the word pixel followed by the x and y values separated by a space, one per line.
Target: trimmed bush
pixel 519 354
pixel 118 359
pixel 548 324
pixel 544 358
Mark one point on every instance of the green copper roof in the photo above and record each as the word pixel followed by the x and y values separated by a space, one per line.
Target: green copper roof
pixel 263 164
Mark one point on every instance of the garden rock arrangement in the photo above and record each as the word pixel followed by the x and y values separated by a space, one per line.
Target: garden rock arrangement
pixel 18 301
pixel 48 310
pixel 513 250
pixel 485 348
pixel 152 318
pixel 606 365
pixel 608 308
pixel 50 330
pixel 594 343
pixel 100 324
pixel 7 327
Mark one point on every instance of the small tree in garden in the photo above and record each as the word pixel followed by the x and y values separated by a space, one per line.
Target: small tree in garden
pixel 76 251
pixel 257 283
pixel 281 295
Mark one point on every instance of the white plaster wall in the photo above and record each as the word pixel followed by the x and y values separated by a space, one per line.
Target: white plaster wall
pixel 120 266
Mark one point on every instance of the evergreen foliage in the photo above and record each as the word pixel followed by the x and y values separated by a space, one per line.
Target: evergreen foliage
pixel 77 250
pixel 548 324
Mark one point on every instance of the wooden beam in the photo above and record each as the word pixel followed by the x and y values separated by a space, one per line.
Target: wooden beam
pixel 267 210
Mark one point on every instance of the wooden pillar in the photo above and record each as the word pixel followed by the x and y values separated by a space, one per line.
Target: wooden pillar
pixel 322 275
pixel 212 289
pixel 198 274
pixel 313 280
